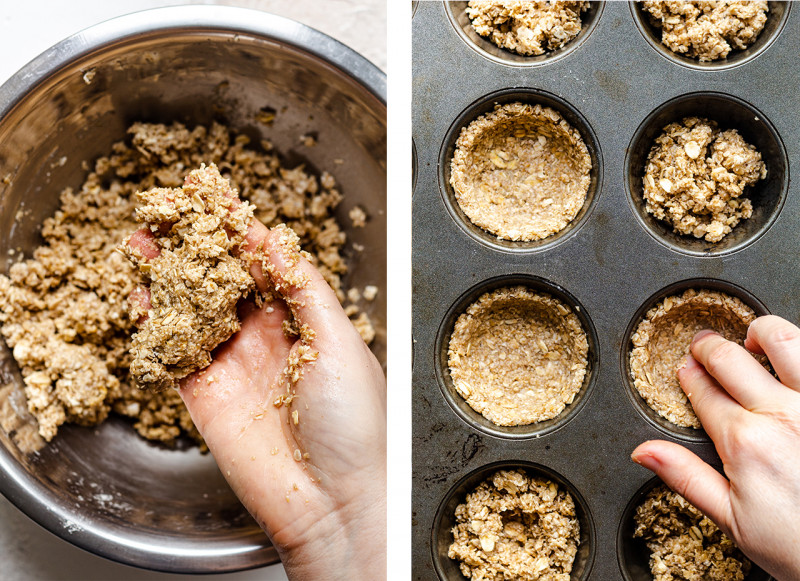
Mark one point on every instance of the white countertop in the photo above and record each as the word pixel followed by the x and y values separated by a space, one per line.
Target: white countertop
pixel 28 551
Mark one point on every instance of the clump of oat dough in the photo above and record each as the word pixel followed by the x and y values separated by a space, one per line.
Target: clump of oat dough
pixel 685 544
pixel 527 27
pixel 707 30
pixel 195 282
pixel 513 526
pixel 520 172
pixel 696 176
pixel 662 340
pixel 517 356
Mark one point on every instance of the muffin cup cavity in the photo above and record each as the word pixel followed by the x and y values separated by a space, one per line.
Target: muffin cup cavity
pixel 777 16
pixel 459 404
pixel 441 536
pixel 688 434
pixel 486 105
pixel 633 555
pixel 767 195
pixel 456 13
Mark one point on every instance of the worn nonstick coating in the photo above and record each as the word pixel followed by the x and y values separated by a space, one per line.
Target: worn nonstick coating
pixel 622 89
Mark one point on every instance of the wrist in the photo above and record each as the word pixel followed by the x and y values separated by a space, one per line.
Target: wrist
pixel 347 543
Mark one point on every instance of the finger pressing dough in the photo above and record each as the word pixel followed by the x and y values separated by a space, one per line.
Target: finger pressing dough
pixel 662 340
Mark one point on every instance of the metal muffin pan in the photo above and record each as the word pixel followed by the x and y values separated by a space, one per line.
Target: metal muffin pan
pixel 614 263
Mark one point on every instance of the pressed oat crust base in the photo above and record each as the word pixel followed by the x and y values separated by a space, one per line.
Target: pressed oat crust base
pixel 521 172
pixel 527 27
pixel 518 357
pixel 513 526
pixel 696 176
pixel 662 340
pixel 684 544
pixel 63 311
pixel 707 30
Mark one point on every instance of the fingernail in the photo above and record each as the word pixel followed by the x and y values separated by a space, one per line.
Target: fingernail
pixel 644 459
pixel 703 333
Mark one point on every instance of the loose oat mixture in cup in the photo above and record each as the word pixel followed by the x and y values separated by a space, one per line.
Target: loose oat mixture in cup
pixel 707 30
pixel 513 526
pixel 518 356
pixel 520 172
pixel 527 27
pixel 684 543
pixel 662 339
pixel 696 178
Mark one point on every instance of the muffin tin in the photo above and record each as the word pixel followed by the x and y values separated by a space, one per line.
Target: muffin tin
pixel 613 261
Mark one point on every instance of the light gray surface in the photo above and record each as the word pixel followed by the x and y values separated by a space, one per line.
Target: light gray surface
pixel 27 29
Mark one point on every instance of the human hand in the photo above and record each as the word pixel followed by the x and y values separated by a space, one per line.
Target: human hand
pixel 317 486
pixel 754 421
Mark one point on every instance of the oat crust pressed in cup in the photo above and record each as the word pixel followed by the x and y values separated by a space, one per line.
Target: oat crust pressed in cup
pixel 684 544
pixel 527 27
pixel 707 30
pixel 661 342
pixel 513 526
pixel 520 172
pixel 696 176
pixel 517 356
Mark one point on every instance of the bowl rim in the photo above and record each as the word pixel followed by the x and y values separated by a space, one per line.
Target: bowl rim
pixel 27 494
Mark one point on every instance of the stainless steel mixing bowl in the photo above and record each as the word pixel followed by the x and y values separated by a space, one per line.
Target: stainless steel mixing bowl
pixel 105 489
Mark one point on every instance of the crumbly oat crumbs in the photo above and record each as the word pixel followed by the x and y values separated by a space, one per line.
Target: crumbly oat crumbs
pixel 196 281
pixel 63 311
pixel 662 340
pixel 684 544
pixel 696 176
pixel 517 356
pixel 527 27
pixel 707 30
pixel 513 526
pixel 520 172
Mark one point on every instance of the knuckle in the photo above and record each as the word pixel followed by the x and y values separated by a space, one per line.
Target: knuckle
pixel 719 356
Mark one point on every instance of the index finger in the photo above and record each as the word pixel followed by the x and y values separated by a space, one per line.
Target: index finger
pixel 736 370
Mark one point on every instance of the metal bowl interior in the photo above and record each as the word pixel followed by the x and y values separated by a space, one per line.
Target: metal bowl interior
pixel 105 489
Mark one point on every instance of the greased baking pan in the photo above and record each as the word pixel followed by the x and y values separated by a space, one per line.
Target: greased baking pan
pixel 619 88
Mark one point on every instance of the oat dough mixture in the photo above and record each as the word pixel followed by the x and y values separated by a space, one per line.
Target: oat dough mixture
pixel 684 544
pixel 527 27
pixel 662 340
pixel 196 281
pixel 517 356
pixel 707 30
pixel 513 526
pixel 696 176
pixel 520 172
pixel 63 312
